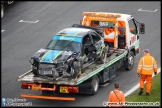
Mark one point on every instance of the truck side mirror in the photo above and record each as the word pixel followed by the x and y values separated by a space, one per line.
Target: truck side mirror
pixel 81 21
pixel 141 28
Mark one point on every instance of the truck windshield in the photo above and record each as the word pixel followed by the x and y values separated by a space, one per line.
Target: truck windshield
pixel 64 45
pixel 102 24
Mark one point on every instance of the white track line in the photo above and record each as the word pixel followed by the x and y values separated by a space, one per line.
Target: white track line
pixel 137 86
pixel 147 10
pixel 29 21
pixel 2 31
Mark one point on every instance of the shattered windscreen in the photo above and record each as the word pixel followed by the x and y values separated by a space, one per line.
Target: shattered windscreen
pixel 65 43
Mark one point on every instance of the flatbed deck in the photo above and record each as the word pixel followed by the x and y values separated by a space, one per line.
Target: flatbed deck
pixel 89 71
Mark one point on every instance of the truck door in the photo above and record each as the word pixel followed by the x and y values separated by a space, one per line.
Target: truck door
pixel 133 31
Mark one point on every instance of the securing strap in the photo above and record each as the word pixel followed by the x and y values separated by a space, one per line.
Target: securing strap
pixel 116 96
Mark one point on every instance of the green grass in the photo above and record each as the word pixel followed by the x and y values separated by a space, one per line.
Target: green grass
pixel 155 93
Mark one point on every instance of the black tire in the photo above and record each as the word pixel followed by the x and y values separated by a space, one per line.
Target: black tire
pixel 130 61
pixel 107 46
pixel 76 69
pixel 35 72
pixel 95 84
pixel 103 56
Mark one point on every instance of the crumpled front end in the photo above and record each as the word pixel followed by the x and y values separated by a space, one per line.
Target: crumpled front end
pixel 55 71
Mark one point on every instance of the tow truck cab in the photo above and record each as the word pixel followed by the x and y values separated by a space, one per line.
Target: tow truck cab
pixel 120 30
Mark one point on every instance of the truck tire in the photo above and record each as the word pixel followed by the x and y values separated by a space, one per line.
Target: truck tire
pixel 103 56
pixel 95 84
pixel 2 11
pixel 76 69
pixel 130 61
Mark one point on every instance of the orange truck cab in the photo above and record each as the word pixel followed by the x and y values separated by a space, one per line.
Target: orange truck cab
pixel 120 30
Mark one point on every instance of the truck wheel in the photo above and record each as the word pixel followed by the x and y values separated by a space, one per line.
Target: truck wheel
pixel 95 84
pixel 103 55
pixel 130 61
pixel 76 69
pixel 2 11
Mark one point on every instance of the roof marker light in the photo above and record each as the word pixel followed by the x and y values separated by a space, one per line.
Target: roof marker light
pixel 98 14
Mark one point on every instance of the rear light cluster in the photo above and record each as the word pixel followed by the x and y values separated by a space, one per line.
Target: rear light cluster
pixel 26 86
pixel 32 86
pixel 69 89
pixel 72 89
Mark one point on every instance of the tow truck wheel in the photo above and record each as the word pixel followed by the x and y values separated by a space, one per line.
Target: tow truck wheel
pixel 130 61
pixel 2 11
pixel 95 84
pixel 104 55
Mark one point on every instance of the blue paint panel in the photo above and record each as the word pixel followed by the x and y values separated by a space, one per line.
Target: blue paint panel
pixel 50 56
pixel 68 38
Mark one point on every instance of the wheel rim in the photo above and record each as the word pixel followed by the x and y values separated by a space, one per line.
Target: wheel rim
pixel 72 71
pixel 95 85
pixel 131 61
pixel 104 56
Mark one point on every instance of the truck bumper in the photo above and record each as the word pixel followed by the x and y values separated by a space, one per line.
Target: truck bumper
pixel 47 97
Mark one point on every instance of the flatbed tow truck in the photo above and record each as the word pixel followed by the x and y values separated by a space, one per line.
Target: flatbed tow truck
pixel 94 75
pixel 105 71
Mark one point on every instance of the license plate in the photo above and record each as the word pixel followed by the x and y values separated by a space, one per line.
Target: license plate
pixel 63 90
pixel 35 86
pixel 47 72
